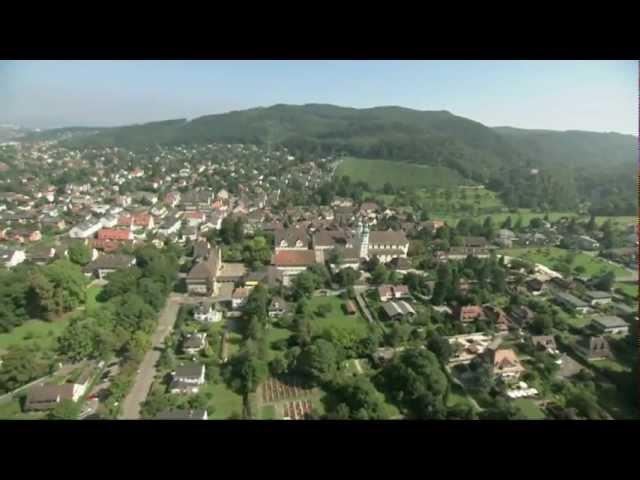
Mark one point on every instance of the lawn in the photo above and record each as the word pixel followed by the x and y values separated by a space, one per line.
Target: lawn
pixel 612 365
pixel 273 335
pixel 618 406
pixel 37 332
pixel 400 174
pixel 336 319
pixel 43 333
pixel 577 321
pixel 10 410
pixel 529 408
pixel 268 412
pixel 548 256
pixel 92 293
pixel 224 401
pixel 630 289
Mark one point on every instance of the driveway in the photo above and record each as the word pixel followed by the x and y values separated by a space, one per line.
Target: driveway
pixel 138 394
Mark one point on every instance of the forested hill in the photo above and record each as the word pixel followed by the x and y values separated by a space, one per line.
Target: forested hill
pixel 570 163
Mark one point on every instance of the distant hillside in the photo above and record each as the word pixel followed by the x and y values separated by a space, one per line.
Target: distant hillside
pixel 573 147
pixel 569 163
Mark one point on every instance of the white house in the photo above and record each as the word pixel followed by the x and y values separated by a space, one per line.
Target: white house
pixel 188 378
pixel 206 313
pixel 86 229
pixel 11 258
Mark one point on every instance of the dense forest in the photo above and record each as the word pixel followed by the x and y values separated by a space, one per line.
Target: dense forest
pixel 528 168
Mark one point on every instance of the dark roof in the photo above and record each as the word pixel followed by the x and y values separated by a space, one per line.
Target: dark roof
pixel 114 261
pixel 182 415
pixel 610 321
pixel 189 370
pixel 294 258
pixel 388 237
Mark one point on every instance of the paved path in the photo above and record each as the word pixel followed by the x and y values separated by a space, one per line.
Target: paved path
pixel 138 394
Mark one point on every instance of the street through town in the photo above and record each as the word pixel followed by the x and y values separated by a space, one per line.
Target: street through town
pixel 131 404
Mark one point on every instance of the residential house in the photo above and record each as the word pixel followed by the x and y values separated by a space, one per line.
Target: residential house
pixel 535 286
pixel 596 297
pixel 188 378
pixel 389 292
pixel 546 343
pixel 278 307
pixel 292 262
pixel 85 229
pixel 505 238
pixel 594 348
pixel 467 347
pixel 505 363
pixel 194 343
pixel 291 239
pixel 611 324
pixel 386 245
pixel 115 234
pixel 48 396
pixel 137 221
pixel 183 415
pixel 42 256
pixel 202 278
pixel 350 307
pixel 522 315
pixel 239 298
pixel 170 225
pixel 207 313
pixel 571 302
pixel 105 264
pixel 194 218
pixel 499 318
pixel 397 310
pixel 11 257
pixel 470 313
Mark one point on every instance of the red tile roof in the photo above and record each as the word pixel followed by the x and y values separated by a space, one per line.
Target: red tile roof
pixel 113 234
pixel 294 258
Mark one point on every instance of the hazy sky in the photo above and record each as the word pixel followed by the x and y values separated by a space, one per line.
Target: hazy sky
pixel 558 95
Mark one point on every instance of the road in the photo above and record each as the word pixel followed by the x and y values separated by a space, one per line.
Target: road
pixel 131 404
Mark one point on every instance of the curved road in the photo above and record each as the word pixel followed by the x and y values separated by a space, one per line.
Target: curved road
pixel 130 409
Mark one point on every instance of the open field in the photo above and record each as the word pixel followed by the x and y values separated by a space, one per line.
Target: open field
pixel 224 401
pixel 336 319
pixel 377 172
pixel 612 365
pixel 619 407
pixel 273 335
pixel 548 256
pixel 630 289
pixel 37 332
pixel 529 408
pixel 44 333
pixel 11 410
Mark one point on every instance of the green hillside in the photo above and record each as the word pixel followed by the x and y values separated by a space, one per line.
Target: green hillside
pixel 528 168
pixel 377 172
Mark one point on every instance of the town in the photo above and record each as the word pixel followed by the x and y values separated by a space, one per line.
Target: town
pixel 236 281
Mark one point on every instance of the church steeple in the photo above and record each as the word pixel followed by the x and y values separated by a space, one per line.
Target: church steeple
pixel 364 240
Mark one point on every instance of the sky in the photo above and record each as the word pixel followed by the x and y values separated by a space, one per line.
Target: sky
pixel 597 96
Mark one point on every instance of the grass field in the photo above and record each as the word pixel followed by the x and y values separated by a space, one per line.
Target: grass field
pixel 578 321
pixel 618 406
pixel 548 256
pixel 336 319
pixel 630 289
pixel 529 409
pixel 610 365
pixel 378 172
pixel 11 411
pixel 36 332
pixel 273 335
pixel 224 401
pixel 43 333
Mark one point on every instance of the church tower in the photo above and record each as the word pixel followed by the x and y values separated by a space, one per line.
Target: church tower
pixel 364 241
